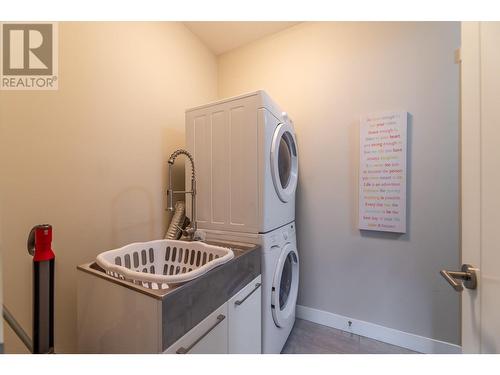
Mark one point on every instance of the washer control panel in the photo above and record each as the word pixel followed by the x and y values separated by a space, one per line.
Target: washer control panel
pixel 288 231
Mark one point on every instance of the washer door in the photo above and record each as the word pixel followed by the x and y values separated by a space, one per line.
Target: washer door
pixel 284 162
pixel 285 286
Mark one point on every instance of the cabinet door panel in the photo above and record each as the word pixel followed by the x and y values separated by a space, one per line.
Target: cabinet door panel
pixel 244 320
pixel 208 337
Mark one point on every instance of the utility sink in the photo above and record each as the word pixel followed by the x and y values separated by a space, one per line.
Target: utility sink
pixel 156 264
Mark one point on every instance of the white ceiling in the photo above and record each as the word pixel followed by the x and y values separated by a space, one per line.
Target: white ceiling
pixel 222 37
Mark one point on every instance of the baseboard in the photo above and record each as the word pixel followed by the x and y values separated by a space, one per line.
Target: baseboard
pixel 377 332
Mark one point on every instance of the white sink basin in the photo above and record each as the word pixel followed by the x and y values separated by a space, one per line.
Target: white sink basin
pixel 155 264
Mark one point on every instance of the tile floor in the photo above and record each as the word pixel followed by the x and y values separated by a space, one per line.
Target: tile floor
pixel 311 338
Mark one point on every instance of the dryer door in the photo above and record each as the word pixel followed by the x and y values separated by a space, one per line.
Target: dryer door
pixel 284 162
pixel 285 285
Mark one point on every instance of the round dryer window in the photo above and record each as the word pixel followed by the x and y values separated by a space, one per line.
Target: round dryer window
pixel 284 162
pixel 285 286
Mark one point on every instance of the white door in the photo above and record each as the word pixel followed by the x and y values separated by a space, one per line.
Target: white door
pixel 480 82
pixel 284 162
pixel 285 286
pixel 245 320
pixel 208 337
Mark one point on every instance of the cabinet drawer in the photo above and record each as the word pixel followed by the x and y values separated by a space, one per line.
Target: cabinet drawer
pixel 208 337
pixel 244 320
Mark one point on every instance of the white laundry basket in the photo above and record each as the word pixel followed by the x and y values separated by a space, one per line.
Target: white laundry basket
pixel 156 264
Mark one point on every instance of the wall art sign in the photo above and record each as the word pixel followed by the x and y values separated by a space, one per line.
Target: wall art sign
pixel 382 172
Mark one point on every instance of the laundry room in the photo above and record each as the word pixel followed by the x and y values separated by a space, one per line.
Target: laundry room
pixel 251 187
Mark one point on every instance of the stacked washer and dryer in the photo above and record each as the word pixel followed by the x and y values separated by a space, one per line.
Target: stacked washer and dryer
pixel 246 159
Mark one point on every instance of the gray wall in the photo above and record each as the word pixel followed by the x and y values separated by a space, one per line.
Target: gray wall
pixel 326 75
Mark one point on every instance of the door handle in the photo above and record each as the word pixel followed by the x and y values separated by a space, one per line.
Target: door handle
pixel 455 278
pixel 183 350
pixel 239 302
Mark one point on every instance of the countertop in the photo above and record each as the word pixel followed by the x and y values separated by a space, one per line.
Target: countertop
pixel 183 306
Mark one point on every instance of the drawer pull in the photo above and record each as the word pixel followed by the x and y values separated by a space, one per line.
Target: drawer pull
pixel 239 302
pixel 183 350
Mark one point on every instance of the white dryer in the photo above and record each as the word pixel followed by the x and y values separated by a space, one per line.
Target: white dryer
pixel 280 281
pixel 246 159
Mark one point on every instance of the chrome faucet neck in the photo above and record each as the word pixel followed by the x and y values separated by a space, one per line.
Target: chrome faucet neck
pixel 190 232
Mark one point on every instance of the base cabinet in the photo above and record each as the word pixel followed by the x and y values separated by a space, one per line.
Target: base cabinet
pixel 235 327
pixel 244 323
pixel 208 337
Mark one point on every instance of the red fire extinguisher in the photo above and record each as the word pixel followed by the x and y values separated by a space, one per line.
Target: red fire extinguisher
pixel 40 247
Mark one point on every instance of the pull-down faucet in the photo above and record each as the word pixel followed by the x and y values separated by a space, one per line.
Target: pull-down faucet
pixel 190 231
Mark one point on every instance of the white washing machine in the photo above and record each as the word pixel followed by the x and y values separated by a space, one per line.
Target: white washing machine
pixel 246 159
pixel 280 281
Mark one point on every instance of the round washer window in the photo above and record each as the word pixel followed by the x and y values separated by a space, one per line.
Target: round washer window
pixel 284 160
pixel 286 279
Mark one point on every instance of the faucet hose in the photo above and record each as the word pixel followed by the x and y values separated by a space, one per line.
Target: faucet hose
pixel 175 154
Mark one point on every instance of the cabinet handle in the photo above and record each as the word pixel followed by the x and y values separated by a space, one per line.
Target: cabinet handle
pixel 239 302
pixel 183 350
